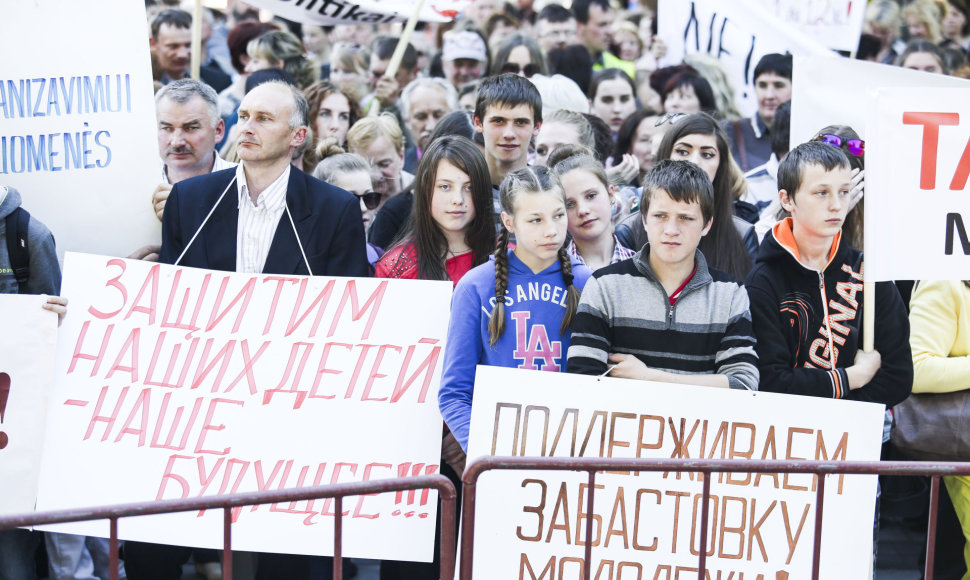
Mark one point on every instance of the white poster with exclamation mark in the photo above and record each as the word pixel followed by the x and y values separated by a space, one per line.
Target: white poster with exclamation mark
pixel 27 347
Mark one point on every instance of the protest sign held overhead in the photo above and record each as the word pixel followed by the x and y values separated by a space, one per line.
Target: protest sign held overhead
pixel 917 222
pixel 828 91
pixel 77 136
pixel 333 12
pixel 737 33
pixel 648 525
pixel 835 24
pixel 26 370
pixel 179 382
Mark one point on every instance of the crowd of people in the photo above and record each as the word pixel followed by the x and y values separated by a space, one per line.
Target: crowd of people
pixel 531 145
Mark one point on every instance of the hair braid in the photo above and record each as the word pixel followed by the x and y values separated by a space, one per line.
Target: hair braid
pixel 496 322
pixel 572 293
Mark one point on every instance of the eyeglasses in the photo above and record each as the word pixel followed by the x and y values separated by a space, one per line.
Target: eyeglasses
pixel 371 199
pixel 669 117
pixel 856 147
pixel 527 70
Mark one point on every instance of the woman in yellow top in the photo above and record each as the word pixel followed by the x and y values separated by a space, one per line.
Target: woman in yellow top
pixel 940 339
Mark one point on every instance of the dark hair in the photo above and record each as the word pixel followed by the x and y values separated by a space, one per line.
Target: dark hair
pixel 923 45
pixel 628 131
pixel 869 47
pixel 455 123
pixel 511 43
pixel 573 62
pixel 239 37
pixel 174 17
pixel 553 12
pixel 315 95
pixel 962 6
pixel 702 89
pixel 659 77
pixel 780 134
pixel 384 49
pixel 722 246
pixel 535 179
pixel 602 137
pixel 683 181
pixel 779 64
pixel 852 227
pixel 508 90
pixel 792 167
pixel 500 17
pixel 581 9
pixel 609 74
pixel 424 232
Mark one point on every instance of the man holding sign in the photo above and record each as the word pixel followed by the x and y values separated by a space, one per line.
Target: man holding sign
pixel 262 216
pixel 806 294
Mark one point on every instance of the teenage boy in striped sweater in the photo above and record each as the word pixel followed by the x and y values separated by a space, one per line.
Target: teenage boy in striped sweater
pixel 663 315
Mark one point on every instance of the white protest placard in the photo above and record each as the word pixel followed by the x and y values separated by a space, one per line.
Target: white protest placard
pixel 77 136
pixel 737 33
pixel 333 12
pixel 26 370
pixel 648 526
pixel 917 222
pixel 178 382
pixel 836 24
pixel 829 91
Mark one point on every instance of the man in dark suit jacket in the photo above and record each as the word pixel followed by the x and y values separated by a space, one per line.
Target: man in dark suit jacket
pixel 319 231
pixel 264 216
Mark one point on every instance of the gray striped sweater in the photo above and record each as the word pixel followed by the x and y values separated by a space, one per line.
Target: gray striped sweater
pixel 624 309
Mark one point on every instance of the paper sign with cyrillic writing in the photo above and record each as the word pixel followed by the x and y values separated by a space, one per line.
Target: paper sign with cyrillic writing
pixel 917 222
pixel 26 369
pixel 178 382
pixel 528 524
pixel 368 12
pixel 77 121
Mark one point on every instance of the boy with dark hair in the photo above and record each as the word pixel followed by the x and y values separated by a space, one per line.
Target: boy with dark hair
pixel 555 27
pixel 663 315
pixel 749 138
pixel 508 114
pixel 806 294
pixel 594 24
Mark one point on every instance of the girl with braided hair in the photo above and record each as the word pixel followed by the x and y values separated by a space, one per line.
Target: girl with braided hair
pixel 534 289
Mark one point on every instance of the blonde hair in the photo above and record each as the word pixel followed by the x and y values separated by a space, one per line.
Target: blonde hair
pixel 930 14
pixel 369 129
pixel 286 48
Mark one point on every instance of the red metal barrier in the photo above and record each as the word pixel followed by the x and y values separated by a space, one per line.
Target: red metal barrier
pixel 338 491
pixel 706 466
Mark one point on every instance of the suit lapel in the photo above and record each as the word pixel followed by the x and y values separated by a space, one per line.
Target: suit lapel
pixel 284 254
pixel 220 232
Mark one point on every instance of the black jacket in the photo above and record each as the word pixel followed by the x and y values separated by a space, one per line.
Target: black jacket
pixel 789 306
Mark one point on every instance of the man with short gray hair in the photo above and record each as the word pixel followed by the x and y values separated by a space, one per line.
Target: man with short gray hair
pixel 265 216
pixel 423 103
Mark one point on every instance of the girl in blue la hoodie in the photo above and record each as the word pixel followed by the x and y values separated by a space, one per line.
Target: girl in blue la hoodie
pixel 516 310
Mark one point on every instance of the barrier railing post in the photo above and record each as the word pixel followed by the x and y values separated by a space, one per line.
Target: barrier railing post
pixel 338 524
pixel 467 529
pixel 588 563
pixel 449 523
pixel 931 527
pixel 817 548
pixel 113 549
pixel 702 563
pixel 227 543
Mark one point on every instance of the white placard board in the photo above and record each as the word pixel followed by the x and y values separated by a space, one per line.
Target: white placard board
pixel 737 33
pixel 26 370
pixel 334 12
pixel 829 91
pixel 917 167
pixel 836 24
pixel 179 382
pixel 77 136
pixel 649 525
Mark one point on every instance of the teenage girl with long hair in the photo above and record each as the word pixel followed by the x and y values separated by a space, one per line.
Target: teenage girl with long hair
pixel 451 228
pixel 589 204
pixel 495 320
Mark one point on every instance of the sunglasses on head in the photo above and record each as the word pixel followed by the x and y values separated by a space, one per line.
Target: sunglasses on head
pixel 856 147
pixel 371 199
pixel 527 70
pixel 669 117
